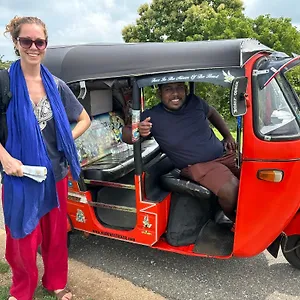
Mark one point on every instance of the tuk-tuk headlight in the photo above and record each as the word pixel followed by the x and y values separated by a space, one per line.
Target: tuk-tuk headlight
pixel 270 175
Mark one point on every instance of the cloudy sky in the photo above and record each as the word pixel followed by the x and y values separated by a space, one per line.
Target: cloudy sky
pixel 84 21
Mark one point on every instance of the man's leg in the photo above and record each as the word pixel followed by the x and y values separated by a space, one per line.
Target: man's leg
pixel 229 160
pixel 228 195
pixel 229 191
pixel 220 180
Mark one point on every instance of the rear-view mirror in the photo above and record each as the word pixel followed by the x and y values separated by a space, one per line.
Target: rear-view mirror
pixel 238 96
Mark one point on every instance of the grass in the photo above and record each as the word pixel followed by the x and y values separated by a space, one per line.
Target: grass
pixel 4 267
pixel 219 136
pixel 4 291
pixel 41 294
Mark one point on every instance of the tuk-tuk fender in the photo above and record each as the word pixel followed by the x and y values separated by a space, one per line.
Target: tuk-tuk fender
pixel 265 208
pixel 293 228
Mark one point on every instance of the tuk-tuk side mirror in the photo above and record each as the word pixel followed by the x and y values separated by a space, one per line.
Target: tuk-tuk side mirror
pixel 238 105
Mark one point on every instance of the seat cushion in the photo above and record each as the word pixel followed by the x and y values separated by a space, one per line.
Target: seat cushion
pixel 118 164
pixel 174 182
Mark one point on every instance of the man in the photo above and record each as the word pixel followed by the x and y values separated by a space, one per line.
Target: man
pixel 180 126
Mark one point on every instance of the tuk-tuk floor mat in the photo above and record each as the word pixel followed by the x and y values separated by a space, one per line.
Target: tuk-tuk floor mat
pixel 215 240
pixel 114 213
pixel 116 219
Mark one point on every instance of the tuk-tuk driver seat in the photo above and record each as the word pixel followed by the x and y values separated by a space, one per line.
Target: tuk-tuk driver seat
pixel 174 182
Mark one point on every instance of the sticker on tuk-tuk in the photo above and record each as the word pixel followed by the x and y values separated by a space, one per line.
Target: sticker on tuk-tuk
pixel 223 77
pixel 80 217
pixel 228 77
pixel 135 125
pixel 146 222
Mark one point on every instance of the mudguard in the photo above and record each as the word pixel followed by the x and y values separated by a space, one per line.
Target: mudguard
pixel 273 249
pixel 293 228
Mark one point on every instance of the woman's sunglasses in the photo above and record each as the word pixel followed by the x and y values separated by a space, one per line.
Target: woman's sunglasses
pixel 26 43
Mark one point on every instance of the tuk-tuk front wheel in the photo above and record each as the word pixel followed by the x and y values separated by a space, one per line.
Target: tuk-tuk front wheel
pixel 291 250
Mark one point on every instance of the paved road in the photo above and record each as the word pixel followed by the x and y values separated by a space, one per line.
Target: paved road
pixel 189 278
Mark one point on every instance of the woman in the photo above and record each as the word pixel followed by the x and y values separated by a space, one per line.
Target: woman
pixel 38 121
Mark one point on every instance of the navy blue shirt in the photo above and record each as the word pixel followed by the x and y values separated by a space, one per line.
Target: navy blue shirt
pixel 184 135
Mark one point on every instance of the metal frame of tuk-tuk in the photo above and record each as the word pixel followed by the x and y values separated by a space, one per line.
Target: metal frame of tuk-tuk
pixel 253 217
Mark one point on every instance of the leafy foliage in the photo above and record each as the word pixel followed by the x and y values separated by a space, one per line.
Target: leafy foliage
pixel 294 79
pixel 4 64
pixel 196 20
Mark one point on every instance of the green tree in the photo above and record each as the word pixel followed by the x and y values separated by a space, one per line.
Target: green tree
pixel 294 79
pixel 196 20
pixel 4 64
pixel 183 20
pixel 277 33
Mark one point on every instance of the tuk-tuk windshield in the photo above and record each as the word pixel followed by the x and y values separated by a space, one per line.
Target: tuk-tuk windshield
pixel 278 111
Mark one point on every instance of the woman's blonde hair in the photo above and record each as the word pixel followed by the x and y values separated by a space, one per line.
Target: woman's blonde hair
pixel 14 28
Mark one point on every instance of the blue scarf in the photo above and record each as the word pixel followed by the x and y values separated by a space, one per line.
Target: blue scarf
pixel 25 200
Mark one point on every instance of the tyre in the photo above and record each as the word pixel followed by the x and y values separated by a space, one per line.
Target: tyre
pixel 291 250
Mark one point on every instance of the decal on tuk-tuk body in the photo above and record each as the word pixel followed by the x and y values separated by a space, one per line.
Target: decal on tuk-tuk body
pixel 221 77
pixel 80 217
pixel 114 235
pixel 146 222
pixel 135 123
pixel 238 96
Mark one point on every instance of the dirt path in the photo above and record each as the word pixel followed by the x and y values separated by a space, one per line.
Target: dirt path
pixel 87 283
pixel 91 284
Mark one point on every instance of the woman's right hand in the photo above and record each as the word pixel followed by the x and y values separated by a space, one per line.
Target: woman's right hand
pixel 11 166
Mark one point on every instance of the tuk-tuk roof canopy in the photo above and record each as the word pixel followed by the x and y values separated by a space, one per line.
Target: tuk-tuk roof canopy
pixel 75 63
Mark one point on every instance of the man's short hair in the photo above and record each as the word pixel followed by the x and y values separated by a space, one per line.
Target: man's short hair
pixel 159 86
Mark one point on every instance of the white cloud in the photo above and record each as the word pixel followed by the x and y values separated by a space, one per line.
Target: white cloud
pixel 77 21
pixel 276 8
pixel 109 4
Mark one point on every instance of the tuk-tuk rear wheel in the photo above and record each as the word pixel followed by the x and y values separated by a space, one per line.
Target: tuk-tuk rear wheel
pixel 291 250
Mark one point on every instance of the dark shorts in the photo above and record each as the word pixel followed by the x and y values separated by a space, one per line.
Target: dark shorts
pixel 213 174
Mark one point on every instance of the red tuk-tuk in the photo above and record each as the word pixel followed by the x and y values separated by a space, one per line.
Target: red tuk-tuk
pixel 133 192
